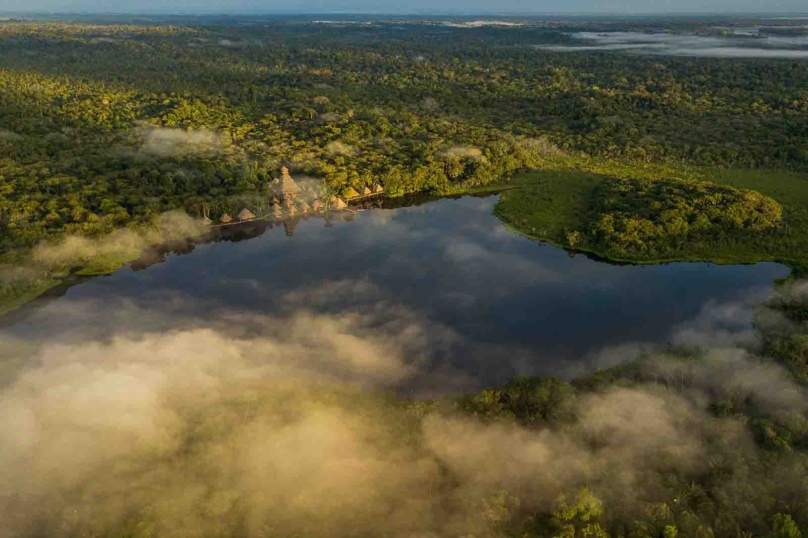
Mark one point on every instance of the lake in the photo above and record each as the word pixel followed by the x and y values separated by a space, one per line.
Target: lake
pixel 488 304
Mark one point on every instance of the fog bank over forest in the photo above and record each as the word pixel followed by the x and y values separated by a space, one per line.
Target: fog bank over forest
pixel 258 423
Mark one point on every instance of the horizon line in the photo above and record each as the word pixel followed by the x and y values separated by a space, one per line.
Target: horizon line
pixel 634 14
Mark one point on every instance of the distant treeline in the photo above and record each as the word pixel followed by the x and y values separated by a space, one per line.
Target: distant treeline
pixel 107 125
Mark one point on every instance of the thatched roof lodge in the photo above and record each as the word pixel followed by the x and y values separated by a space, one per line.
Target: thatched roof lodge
pixel 377 189
pixel 351 193
pixel 366 192
pixel 276 211
pixel 226 219
pixel 338 203
pixel 289 203
pixel 246 214
pixel 304 207
pixel 287 185
pixel 206 221
pixel 317 205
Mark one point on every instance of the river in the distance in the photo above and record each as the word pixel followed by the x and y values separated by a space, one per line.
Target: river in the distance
pixel 488 303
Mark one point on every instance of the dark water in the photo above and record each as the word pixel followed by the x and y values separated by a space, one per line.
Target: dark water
pixel 510 306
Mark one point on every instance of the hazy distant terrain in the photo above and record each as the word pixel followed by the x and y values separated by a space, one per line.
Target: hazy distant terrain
pixel 741 43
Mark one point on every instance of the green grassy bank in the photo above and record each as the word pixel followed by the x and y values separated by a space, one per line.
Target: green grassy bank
pixel 552 205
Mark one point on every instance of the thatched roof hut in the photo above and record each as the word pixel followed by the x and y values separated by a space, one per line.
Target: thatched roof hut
pixel 338 203
pixel 304 207
pixel 350 193
pixel 289 203
pixel 275 201
pixel 377 189
pixel 317 205
pixel 288 186
pixel 206 221
pixel 225 219
pixel 366 192
pixel 246 214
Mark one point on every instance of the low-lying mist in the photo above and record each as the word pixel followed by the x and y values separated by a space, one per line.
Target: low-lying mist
pixel 284 425
pixel 192 431
pixel 737 46
pixel 173 142
pixel 50 261
pixel 120 244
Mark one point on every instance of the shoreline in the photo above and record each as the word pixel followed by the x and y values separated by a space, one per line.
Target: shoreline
pixel 603 258
pixel 523 179
pixel 30 300
pixel 52 285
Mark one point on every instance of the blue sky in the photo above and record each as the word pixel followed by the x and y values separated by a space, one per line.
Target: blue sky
pixel 413 6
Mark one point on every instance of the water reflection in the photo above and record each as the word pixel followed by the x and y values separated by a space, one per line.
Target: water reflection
pixel 487 303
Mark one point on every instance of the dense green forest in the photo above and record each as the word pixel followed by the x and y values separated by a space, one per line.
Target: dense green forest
pixel 110 125
pixel 111 134
pixel 105 125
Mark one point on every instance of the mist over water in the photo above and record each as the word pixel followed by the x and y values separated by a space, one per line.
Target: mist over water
pixel 234 390
pixel 474 303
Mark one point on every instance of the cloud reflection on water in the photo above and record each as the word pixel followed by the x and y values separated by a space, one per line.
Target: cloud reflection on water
pixel 489 304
